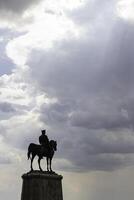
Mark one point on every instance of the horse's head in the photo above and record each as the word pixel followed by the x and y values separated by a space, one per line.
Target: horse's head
pixel 53 144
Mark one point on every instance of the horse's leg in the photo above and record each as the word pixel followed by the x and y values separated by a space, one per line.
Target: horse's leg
pixel 47 163
pixel 50 164
pixel 39 163
pixel 33 155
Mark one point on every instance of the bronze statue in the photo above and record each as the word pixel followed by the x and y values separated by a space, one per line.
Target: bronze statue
pixel 45 149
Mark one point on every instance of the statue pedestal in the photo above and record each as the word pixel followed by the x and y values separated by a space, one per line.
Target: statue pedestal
pixel 41 186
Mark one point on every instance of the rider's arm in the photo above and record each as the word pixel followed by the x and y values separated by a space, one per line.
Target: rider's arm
pixel 40 140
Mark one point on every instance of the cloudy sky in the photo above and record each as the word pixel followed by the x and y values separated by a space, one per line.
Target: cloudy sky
pixel 68 66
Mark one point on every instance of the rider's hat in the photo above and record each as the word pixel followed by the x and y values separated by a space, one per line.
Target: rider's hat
pixel 43 131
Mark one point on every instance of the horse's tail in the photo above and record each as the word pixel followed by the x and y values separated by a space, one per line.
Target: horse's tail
pixel 28 155
pixel 29 152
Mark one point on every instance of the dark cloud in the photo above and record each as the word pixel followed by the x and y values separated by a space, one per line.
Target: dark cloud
pixel 16 6
pixel 93 82
pixel 12 109
pixel 56 113
pixel 101 120
pixel 6 107
pixel 92 11
pixel 96 150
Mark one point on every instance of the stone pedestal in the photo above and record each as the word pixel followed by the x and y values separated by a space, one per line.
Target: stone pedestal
pixel 41 186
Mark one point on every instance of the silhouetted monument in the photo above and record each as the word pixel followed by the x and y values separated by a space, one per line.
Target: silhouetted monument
pixel 39 184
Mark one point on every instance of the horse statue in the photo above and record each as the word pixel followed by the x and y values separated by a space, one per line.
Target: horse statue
pixel 41 151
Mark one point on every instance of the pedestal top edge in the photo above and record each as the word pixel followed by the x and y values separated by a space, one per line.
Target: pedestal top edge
pixel 39 174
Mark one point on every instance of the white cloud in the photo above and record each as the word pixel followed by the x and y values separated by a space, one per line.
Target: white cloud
pixel 125 9
pixel 45 30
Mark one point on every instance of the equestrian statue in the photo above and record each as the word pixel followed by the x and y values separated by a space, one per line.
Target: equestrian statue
pixel 46 149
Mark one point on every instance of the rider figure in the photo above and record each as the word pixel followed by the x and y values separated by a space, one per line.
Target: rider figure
pixel 43 140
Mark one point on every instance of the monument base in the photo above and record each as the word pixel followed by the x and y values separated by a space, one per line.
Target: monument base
pixel 39 185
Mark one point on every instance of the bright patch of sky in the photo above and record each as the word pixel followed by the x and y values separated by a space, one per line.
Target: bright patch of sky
pixel 46 29
pixel 125 9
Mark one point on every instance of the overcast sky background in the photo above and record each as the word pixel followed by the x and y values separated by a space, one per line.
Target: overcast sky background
pixel 68 66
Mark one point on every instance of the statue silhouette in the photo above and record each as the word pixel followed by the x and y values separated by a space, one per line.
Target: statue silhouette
pixel 45 149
